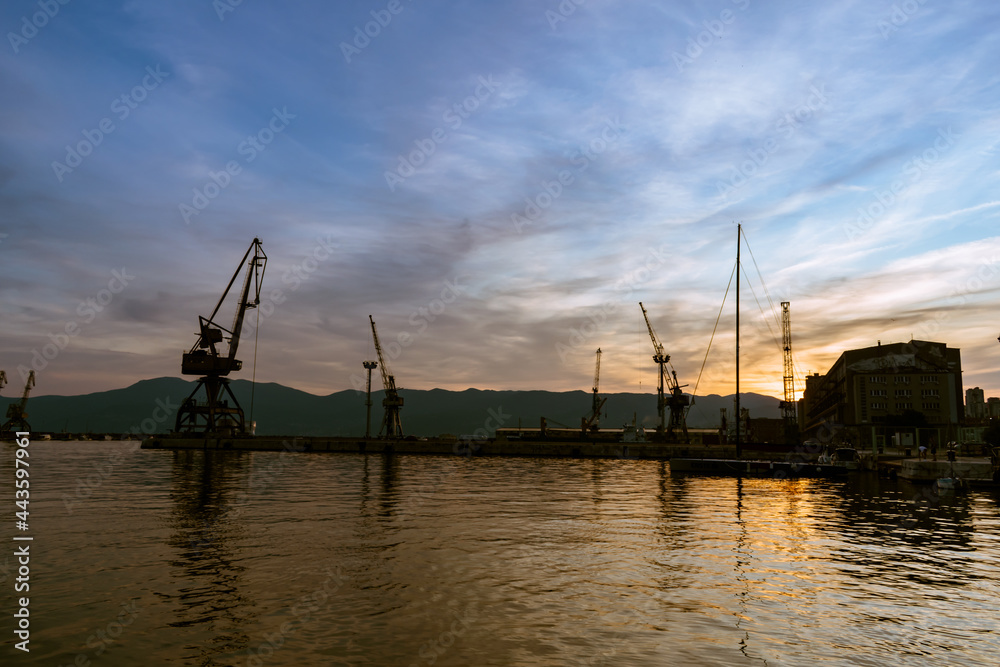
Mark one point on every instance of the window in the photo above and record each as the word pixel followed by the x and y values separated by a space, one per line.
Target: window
pixel 904 406
pixel 928 379
pixel 878 406
pixel 929 393
pixel 932 406
pixel 877 379
pixel 903 393
pixel 902 379
pixel 878 392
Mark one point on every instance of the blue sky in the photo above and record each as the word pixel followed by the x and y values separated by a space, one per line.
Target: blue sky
pixel 498 184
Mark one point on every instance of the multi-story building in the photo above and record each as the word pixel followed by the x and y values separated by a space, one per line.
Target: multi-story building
pixel 992 407
pixel 870 395
pixel 975 404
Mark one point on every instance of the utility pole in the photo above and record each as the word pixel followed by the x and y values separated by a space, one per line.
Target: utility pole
pixel 370 366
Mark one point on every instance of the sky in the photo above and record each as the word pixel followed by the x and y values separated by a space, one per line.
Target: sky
pixel 499 185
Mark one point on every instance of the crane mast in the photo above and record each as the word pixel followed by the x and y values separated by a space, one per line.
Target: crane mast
pixel 207 357
pixel 3 379
pixel 17 413
pixel 788 411
pixel 392 402
pixel 593 422
pixel 677 400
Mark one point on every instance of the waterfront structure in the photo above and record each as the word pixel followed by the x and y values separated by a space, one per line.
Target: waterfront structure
pixel 871 394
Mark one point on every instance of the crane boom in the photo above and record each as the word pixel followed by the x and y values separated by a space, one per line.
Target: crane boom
pixel 391 423
pixel 597 371
pixel 677 401
pixel 215 415
pixel 593 421
pixel 17 413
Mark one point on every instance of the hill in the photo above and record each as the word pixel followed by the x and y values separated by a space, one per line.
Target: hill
pixel 150 405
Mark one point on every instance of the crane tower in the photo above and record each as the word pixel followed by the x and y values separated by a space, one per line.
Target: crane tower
pixel 214 415
pixel 788 410
pixel 392 402
pixel 593 421
pixel 677 401
pixel 17 413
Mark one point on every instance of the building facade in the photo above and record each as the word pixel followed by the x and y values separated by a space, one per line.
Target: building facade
pixel 871 395
pixel 975 404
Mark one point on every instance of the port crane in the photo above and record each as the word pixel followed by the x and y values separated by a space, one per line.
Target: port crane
pixel 392 402
pixel 788 409
pixel 17 413
pixel 213 360
pixel 593 422
pixel 677 400
pixel 3 379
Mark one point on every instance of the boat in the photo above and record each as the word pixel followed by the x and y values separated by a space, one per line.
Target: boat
pixel 746 467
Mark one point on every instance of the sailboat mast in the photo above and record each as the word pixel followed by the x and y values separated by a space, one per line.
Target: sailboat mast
pixel 739 233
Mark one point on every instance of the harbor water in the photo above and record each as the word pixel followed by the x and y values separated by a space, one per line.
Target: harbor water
pixel 264 558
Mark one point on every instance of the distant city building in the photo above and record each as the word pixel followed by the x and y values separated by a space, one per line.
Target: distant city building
pixel 868 395
pixel 993 407
pixel 975 404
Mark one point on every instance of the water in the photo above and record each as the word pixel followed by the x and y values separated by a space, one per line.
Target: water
pixel 147 558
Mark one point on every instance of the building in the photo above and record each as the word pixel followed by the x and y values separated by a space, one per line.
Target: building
pixel 992 407
pixel 975 404
pixel 870 395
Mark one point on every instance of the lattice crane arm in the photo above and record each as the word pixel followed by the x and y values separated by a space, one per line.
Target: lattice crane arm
pixel 204 357
pixel 597 371
pixel 388 381
pixel 657 345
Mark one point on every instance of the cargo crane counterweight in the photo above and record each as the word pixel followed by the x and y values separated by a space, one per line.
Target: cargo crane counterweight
pixel 215 415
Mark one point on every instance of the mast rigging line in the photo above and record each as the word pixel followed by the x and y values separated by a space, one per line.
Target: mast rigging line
pixel 717 319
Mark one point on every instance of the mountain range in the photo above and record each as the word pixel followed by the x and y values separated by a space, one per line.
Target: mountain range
pixel 149 406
